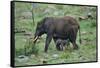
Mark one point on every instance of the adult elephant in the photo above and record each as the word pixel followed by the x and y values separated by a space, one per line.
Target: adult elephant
pixel 62 27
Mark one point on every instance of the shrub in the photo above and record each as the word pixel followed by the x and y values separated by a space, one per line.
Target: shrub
pixel 19 52
pixel 31 48
pixel 93 23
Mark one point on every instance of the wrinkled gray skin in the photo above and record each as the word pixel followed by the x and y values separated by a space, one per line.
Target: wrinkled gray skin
pixel 58 28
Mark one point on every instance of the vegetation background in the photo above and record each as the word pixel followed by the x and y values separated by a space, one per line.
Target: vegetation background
pixel 27 15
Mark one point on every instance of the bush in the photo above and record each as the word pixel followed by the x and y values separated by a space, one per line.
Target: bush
pixel 31 48
pixel 19 51
pixel 93 23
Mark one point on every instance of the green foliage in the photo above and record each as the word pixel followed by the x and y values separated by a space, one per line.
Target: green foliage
pixel 28 49
pixel 19 51
pixel 93 24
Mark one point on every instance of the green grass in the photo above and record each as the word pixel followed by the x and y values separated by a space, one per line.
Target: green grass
pixel 24 45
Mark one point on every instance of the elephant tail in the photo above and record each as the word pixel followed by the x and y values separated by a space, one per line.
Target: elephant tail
pixel 80 36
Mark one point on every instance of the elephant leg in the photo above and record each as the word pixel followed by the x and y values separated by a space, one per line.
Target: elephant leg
pixel 61 47
pixel 72 39
pixel 48 40
pixel 75 46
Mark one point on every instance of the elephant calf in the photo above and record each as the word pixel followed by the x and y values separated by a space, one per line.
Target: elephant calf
pixel 60 44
